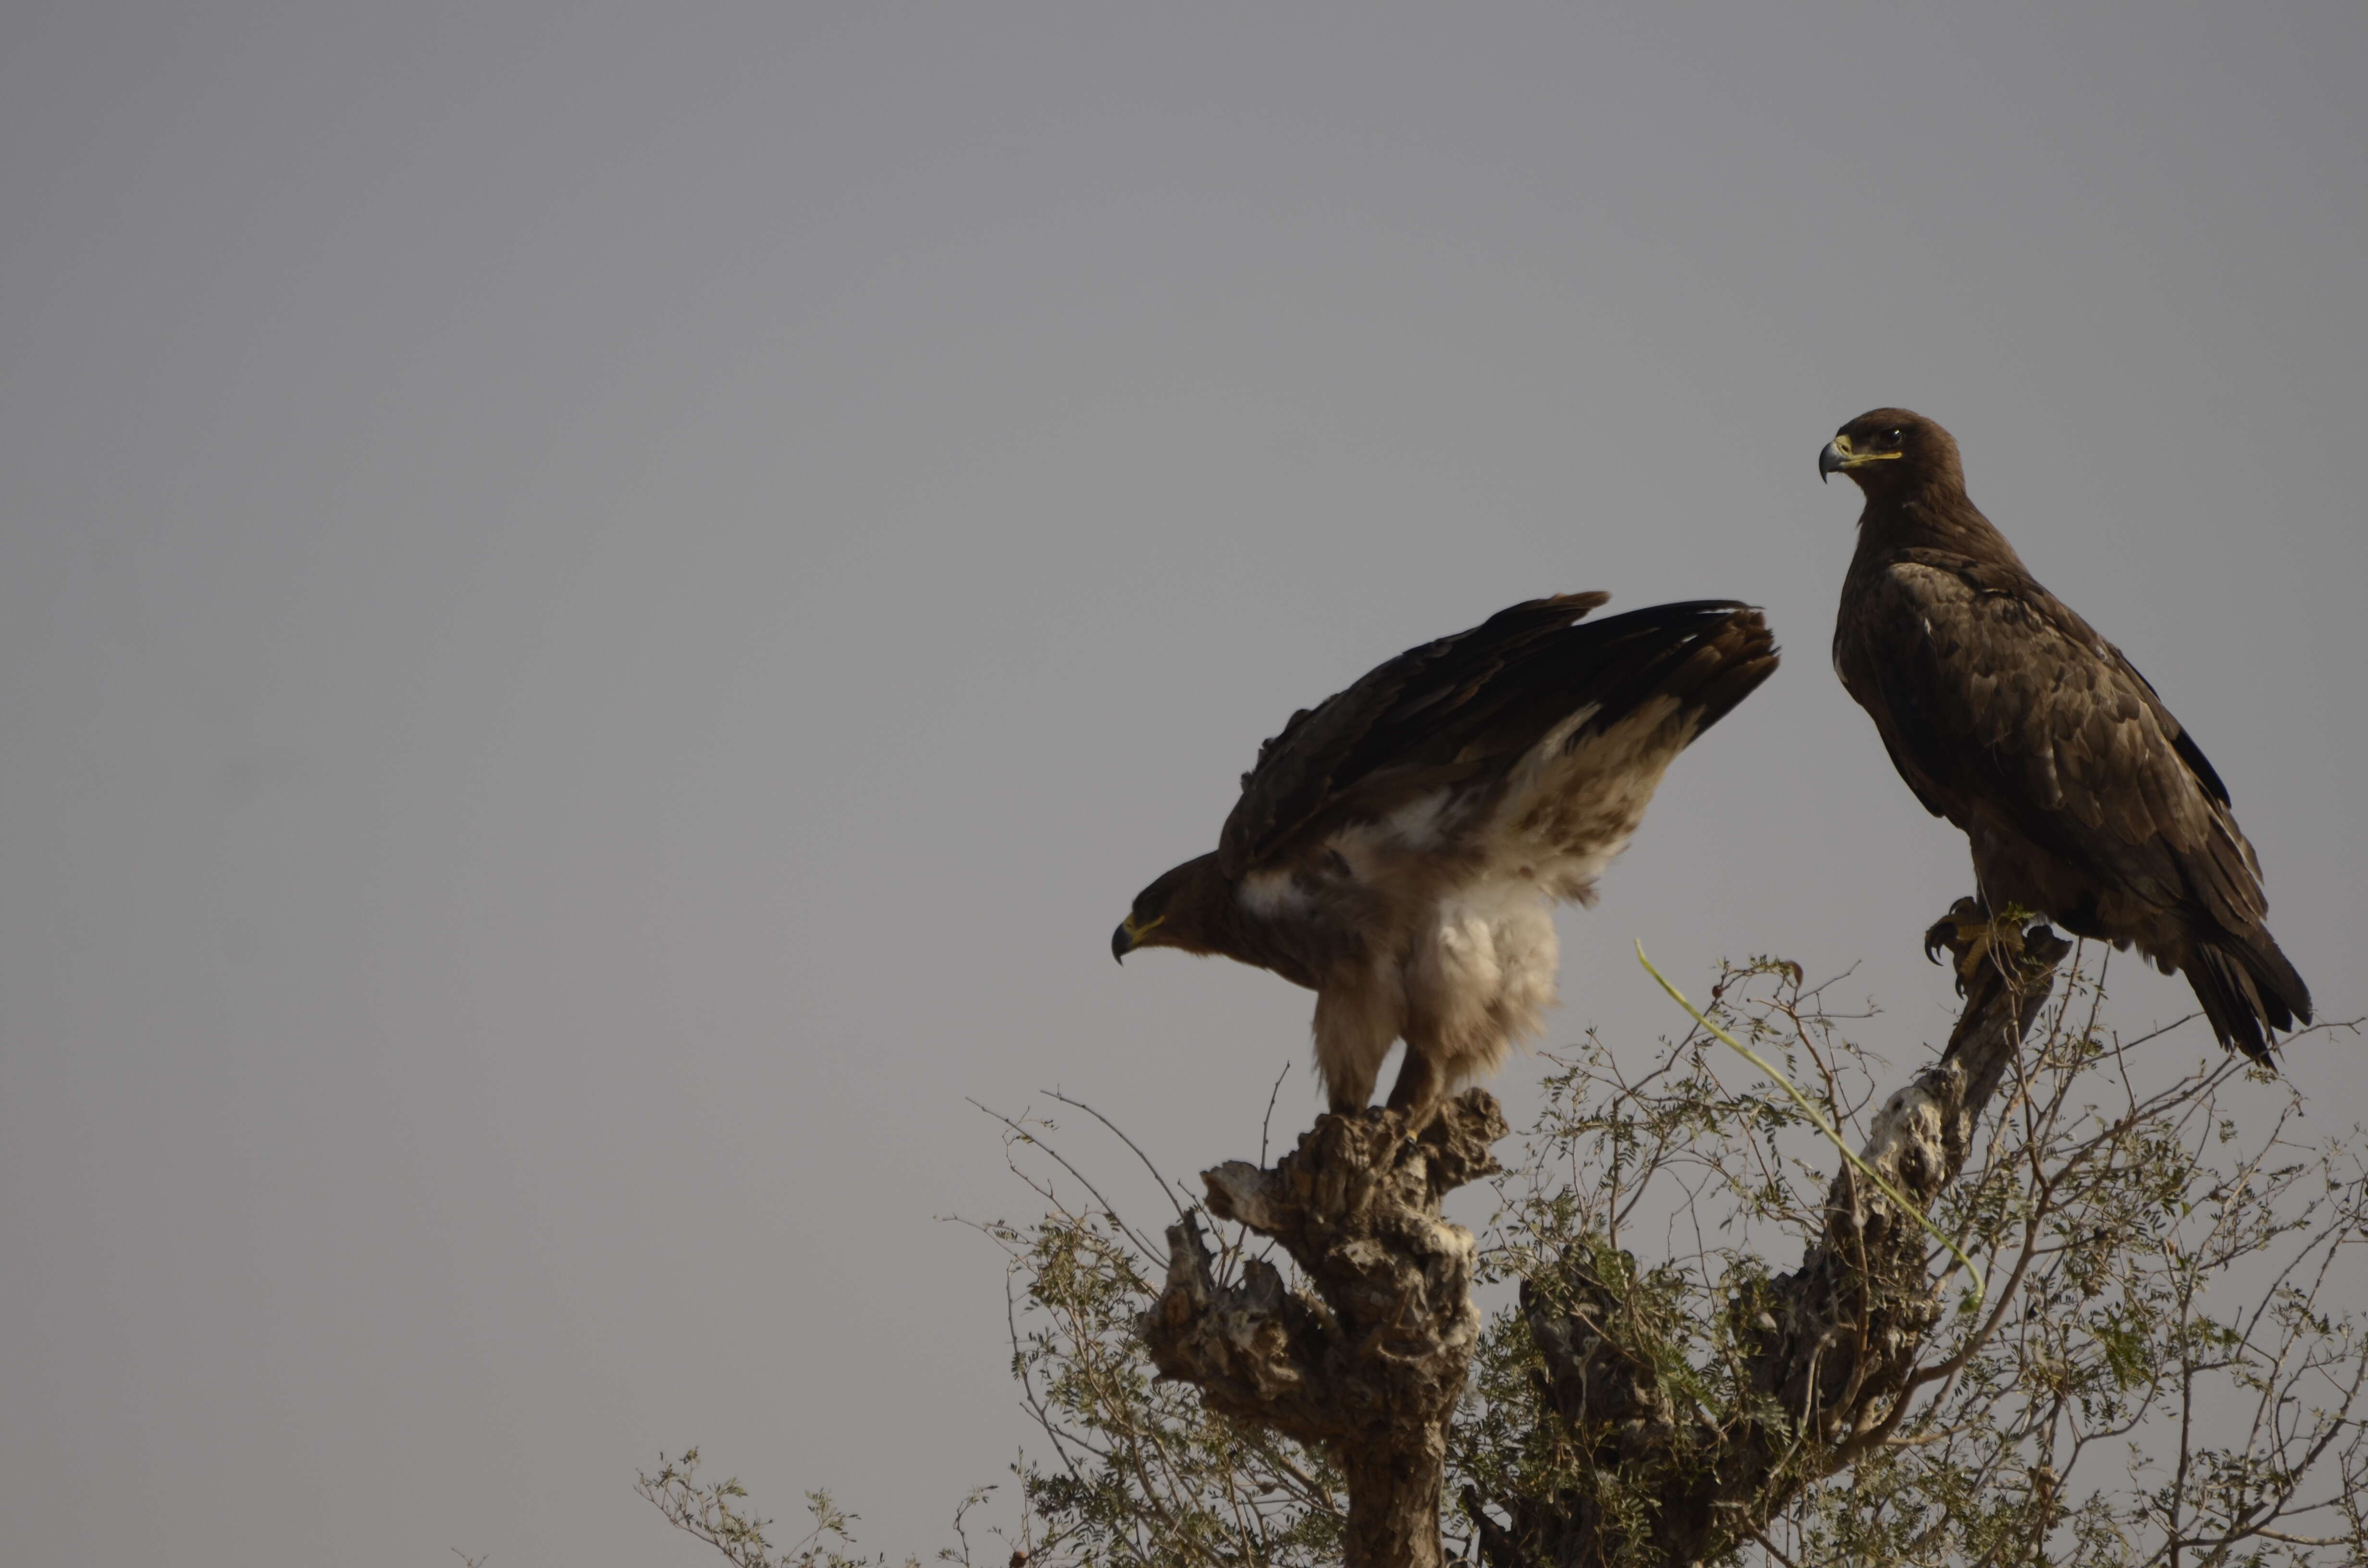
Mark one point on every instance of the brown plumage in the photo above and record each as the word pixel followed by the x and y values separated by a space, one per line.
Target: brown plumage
pixel 1398 848
pixel 2083 798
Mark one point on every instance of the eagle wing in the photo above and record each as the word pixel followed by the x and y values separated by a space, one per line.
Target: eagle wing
pixel 1992 694
pixel 1466 708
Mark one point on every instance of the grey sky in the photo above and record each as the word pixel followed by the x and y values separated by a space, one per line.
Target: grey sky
pixel 601 608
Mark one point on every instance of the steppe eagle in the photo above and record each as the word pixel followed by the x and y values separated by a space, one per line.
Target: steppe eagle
pixel 1398 848
pixel 2083 798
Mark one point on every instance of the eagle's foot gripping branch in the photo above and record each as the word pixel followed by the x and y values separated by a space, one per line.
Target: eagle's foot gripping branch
pixel 1972 936
pixel 1367 1357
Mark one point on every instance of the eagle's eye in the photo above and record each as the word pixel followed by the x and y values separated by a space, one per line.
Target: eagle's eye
pixel 1892 436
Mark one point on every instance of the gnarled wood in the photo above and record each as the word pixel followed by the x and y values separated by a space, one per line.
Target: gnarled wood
pixel 1369 1367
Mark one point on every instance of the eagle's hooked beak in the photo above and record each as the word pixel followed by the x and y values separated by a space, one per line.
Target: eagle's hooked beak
pixel 1129 936
pixel 1834 459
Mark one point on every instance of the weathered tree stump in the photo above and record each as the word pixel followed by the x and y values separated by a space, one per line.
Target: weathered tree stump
pixel 1370 1365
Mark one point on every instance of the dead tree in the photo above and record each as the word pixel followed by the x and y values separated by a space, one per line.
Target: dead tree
pixel 1368 1360
pixel 1369 1366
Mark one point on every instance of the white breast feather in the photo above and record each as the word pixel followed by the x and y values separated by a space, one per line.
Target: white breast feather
pixel 1476 968
pixel 1481 968
pixel 1483 975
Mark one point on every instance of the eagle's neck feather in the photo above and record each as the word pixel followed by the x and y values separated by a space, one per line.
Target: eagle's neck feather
pixel 1207 915
pixel 1935 516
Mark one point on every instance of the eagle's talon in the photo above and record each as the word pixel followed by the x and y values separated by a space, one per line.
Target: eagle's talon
pixel 1418 1121
pixel 1978 946
pixel 1970 933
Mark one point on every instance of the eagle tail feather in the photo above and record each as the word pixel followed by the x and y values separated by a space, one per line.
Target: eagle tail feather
pixel 2249 989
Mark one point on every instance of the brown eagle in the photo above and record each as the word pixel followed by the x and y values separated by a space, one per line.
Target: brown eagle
pixel 2083 800
pixel 1398 848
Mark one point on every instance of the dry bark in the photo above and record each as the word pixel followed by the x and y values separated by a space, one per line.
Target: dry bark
pixel 1368 1367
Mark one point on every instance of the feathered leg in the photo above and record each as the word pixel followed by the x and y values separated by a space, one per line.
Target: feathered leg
pixel 1420 1088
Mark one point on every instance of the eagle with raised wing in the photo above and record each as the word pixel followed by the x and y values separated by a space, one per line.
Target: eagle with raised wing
pixel 1398 848
pixel 2083 798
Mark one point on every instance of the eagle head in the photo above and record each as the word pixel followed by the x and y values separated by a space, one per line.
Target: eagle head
pixel 1891 451
pixel 1165 913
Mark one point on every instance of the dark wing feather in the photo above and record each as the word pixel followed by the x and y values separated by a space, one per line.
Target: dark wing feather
pixel 1990 692
pixel 1383 715
pixel 1469 705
